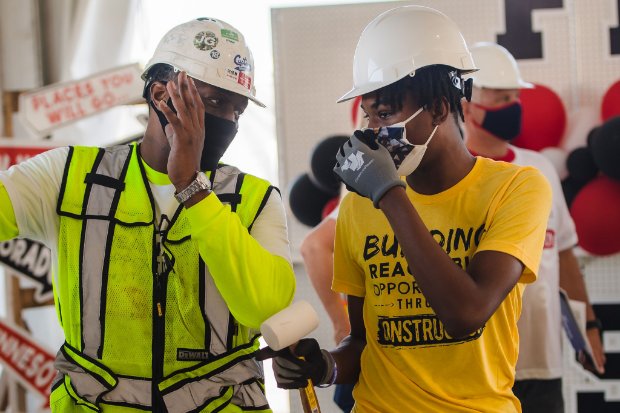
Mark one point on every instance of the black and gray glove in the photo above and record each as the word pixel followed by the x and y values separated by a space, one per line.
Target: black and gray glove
pixel 366 167
pixel 292 371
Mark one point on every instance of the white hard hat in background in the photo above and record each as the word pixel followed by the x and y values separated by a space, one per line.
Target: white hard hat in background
pixel 212 51
pixel 498 68
pixel 400 41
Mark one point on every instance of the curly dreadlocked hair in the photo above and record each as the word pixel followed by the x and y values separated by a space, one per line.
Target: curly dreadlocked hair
pixel 429 85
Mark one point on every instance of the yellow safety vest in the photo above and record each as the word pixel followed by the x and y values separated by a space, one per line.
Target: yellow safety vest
pixel 145 326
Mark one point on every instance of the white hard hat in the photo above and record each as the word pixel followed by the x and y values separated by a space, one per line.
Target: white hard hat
pixel 498 68
pixel 212 51
pixel 400 41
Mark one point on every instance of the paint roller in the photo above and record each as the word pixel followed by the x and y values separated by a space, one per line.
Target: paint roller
pixel 286 328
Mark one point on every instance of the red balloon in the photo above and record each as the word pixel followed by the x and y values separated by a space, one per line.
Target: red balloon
pixel 596 212
pixel 330 206
pixel 544 119
pixel 610 106
pixel 356 112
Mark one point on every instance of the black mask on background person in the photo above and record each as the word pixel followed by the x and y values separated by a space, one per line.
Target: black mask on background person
pixel 219 133
pixel 503 122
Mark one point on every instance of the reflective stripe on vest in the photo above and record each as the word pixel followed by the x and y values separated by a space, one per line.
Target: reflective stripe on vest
pixel 230 374
pixel 104 187
pixel 191 388
pixel 90 382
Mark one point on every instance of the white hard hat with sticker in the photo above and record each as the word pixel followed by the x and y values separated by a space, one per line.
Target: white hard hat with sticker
pixel 211 51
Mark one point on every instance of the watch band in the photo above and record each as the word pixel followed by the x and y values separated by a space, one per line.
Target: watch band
pixel 596 323
pixel 200 183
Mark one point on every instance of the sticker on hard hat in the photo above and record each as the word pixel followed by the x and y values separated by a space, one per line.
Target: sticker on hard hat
pixel 242 63
pixel 205 41
pixel 244 80
pixel 232 74
pixel 229 35
pixel 239 77
pixel 215 54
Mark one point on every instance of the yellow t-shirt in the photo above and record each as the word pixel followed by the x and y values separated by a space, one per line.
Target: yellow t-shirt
pixel 410 363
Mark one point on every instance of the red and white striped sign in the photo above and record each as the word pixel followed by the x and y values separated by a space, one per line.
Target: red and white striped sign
pixel 31 363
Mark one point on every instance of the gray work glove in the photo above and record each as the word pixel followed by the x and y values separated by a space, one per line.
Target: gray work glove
pixel 293 372
pixel 366 167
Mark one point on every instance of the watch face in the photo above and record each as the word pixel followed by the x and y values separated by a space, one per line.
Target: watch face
pixel 202 179
pixel 201 182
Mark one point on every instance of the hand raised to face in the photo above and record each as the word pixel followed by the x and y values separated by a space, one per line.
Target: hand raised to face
pixel 185 130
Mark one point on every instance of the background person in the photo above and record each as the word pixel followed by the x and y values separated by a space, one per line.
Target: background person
pixel 492 120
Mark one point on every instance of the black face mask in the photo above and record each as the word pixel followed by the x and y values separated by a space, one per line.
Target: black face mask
pixel 504 123
pixel 219 133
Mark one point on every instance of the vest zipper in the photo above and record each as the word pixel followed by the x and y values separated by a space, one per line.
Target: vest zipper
pixel 159 334
pixel 160 284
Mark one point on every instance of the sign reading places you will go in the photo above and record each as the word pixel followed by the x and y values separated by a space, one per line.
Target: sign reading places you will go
pixel 60 104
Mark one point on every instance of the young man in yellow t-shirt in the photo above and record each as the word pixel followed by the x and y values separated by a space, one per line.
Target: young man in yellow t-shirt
pixel 433 253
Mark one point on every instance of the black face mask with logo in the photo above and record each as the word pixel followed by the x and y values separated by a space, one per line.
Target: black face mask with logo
pixel 504 123
pixel 219 133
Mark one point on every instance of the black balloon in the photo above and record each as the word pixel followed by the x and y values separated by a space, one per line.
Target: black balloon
pixel 322 163
pixel 591 135
pixel 581 166
pixel 605 144
pixel 570 188
pixel 307 200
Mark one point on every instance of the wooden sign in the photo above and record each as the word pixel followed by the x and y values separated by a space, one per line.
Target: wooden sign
pixel 60 104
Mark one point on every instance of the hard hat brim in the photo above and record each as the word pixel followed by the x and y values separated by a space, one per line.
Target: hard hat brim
pixel 526 85
pixel 212 81
pixel 371 87
pixel 359 91
pixel 355 92
pixel 519 85
pixel 256 101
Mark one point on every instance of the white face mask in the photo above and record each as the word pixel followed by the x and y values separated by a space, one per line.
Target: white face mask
pixel 406 156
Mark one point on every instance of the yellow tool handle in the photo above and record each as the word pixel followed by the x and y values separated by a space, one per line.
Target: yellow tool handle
pixel 309 401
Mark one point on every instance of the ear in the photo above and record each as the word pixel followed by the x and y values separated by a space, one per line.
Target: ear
pixel 158 91
pixel 440 111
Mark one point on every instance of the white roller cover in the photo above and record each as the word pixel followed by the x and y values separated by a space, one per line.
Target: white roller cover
pixel 289 325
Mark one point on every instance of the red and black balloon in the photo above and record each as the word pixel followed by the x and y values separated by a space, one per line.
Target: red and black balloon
pixel 592 189
pixel 313 195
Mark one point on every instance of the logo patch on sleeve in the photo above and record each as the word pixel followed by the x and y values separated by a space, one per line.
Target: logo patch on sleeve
pixel 549 239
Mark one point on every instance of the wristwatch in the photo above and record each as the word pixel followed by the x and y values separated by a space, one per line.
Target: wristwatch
pixel 200 183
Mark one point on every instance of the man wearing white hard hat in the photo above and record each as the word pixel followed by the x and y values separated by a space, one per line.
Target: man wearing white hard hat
pixel 433 246
pixel 492 120
pixel 166 261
